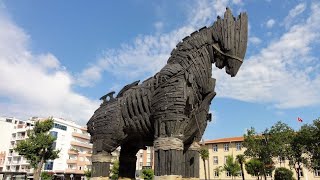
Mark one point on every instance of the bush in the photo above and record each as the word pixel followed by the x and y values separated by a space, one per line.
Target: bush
pixel 46 176
pixel 87 174
pixel 147 174
pixel 283 174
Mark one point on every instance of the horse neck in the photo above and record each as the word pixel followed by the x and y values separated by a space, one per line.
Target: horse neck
pixel 195 62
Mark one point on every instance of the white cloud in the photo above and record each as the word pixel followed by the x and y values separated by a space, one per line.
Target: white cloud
pixel 270 23
pixel 280 73
pixel 148 53
pixel 293 14
pixel 254 40
pixel 236 1
pixel 158 25
pixel 35 84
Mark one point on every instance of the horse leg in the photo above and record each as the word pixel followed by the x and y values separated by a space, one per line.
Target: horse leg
pixel 191 157
pixel 101 159
pixel 168 107
pixel 168 156
pixel 128 158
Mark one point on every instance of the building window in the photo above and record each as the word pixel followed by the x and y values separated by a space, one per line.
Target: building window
pixel 215 160
pixel 48 166
pixel 317 172
pixel 59 126
pixel 216 173
pixel 215 148
pixel 228 174
pixel 225 159
pixel 226 147
pixel 238 146
pixel 54 144
pixel 141 164
pixel 54 134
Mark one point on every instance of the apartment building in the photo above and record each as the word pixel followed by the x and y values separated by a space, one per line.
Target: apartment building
pixel 13 130
pixel 71 139
pixel 219 149
pixel 145 159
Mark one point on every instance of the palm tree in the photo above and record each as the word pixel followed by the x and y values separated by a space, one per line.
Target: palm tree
pixel 241 159
pixel 204 153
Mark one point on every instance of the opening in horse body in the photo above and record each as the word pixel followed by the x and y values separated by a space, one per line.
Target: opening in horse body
pixel 169 110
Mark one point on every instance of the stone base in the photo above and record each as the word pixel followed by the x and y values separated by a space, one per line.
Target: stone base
pixel 168 177
pixel 192 178
pixel 99 178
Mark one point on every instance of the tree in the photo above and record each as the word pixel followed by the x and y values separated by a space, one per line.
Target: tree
pixel 259 146
pixel 147 174
pixel 298 149
pixel 204 154
pixel 280 137
pixel 282 173
pixel 87 174
pixel 241 160
pixel 254 167
pixel 231 166
pixel 38 148
pixel 313 147
pixel 115 170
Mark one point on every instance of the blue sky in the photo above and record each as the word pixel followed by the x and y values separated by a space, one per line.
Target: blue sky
pixel 57 58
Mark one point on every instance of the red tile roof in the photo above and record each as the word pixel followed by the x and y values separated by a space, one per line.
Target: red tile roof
pixel 225 140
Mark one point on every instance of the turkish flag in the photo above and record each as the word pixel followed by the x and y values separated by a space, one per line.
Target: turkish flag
pixel 299 119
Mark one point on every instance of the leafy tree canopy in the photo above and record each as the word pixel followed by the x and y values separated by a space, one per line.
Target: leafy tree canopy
pixel 232 166
pixel 38 147
pixel 254 167
pixel 283 174
pixel 115 170
pixel 204 153
pixel 147 174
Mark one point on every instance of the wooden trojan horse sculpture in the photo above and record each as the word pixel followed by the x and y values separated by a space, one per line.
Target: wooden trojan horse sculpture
pixel 169 110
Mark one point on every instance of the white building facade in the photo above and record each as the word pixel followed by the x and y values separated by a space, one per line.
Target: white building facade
pixel 71 139
pixel 12 131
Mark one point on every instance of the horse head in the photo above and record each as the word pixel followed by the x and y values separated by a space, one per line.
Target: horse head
pixel 228 41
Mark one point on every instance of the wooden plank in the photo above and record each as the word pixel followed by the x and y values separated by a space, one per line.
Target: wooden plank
pixel 237 35
pixel 243 34
pixel 134 102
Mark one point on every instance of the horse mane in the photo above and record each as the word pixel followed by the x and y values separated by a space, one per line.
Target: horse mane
pixel 229 34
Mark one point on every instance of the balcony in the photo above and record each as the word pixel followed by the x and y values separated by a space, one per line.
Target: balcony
pixel 74 171
pixel 72 161
pixel 26 170
pixel 82 136
pixel 20 137
pixel 73 151
pixel 88 154
pixel 85 145
pixel 13 154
